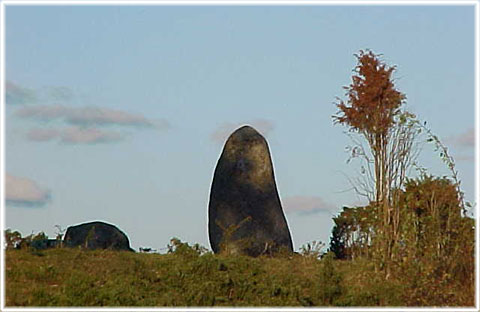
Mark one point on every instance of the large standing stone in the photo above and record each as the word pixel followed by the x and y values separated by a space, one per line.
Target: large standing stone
pixel 96 235
pixel 245 215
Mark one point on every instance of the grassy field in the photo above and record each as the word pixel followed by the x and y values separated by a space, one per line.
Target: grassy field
pixel 74 277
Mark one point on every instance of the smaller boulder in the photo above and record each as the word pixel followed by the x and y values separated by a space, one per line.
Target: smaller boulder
pixel 96 235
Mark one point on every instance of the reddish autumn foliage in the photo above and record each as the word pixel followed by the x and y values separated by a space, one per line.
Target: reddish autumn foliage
pixel 373 100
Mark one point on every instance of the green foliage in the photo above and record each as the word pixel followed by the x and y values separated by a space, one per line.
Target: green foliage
pixel 353 232
pixel 39 236
pixel 434 250
pixel 178 247
pixel 228 245
pixel 437 241
pixel 367 287
pixel 330 288
pixel 12 239
pixel 313 249
pixel 188 276
pixel 446 158
pixel 433 207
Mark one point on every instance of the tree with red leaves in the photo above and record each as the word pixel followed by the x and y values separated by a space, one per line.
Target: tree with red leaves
pixel 373 109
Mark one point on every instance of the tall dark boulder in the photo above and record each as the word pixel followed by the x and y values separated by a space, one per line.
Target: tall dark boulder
pixel 245 215
pixel 96 235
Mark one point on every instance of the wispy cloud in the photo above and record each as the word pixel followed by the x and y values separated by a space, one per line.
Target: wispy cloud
pixel 103 116
pixel 224 130
pixel 307 205
pixel 59 93
pixel 21 191
pixel 465 142
pixel 467 158
pixel 44 113
pixel 465 139
pixel 81 125
pixel 42 134
pixel 74 135
pixel 87 116
pixel 18 95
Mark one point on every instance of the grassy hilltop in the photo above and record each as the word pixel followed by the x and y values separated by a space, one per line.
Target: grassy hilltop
pixel 190 277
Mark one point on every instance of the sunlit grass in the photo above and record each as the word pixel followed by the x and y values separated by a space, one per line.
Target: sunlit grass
pixel 74 277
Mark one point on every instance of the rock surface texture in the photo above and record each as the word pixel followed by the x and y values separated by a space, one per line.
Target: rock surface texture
pixel 245 215
pixel 96 235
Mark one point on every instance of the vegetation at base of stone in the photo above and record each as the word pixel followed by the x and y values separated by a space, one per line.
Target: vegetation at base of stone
pixel 191 276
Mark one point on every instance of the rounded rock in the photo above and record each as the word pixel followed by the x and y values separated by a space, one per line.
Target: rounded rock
pixel 245 215
pixel 96 235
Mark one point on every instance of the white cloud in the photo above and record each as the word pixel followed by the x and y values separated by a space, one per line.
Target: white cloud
pixel 307 205
pixel 465 139
pixel 24 192
pixel 104 116
pixel 59 93
pixel 89 116
pixel 76 135
pixel 45 113
pixel 18 95
pixel 224 130
pixel 465 157
pixel 465 142
pixel 42 134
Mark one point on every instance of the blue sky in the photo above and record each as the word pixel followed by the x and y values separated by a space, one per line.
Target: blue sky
pixel 119 113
